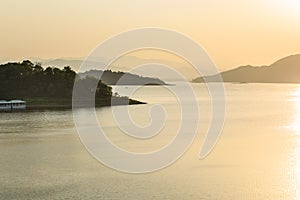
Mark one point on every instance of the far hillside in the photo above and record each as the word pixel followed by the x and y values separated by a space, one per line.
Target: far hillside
pixel 121 78
pixel 286 70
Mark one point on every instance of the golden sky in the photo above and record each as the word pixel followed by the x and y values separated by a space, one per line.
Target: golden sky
pixel 234 32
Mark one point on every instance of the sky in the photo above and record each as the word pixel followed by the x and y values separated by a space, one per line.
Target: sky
pixel 233 32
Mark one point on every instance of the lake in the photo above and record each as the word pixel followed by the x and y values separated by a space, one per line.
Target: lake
pixel 257 156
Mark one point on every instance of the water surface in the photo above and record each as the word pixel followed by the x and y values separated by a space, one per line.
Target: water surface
pixel 257 157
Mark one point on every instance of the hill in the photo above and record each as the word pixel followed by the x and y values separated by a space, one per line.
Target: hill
pixel 52 87
pixel 285 70
pixel 121 78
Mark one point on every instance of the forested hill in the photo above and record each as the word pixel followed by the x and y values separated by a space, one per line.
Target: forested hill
pixel 26 80
pixel 21 80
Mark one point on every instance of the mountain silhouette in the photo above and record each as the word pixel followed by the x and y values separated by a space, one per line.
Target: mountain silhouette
pixel 121 78
pixel 285 70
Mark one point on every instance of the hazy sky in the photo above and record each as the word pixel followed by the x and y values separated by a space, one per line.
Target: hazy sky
pixel 234 32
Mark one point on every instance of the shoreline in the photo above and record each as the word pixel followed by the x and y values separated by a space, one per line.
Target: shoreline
pixel 53 104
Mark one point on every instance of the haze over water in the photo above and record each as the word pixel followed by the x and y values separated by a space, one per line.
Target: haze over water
pixel 257 156
pixel 46 45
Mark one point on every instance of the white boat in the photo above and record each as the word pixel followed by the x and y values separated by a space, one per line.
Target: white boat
pixel 12 105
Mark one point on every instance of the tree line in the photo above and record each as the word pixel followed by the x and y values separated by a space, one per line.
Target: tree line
pixel 21 80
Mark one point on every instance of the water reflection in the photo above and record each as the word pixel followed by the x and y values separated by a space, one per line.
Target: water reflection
pixel 294 161
pixel 294 102
pixel 258 156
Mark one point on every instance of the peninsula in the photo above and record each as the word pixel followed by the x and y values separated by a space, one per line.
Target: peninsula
pixel 51 87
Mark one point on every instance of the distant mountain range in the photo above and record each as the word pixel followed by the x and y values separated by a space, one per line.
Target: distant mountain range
pixel 75 63
pixel 108 77
pixel 286 70
pixel 125 63
pixel 121 78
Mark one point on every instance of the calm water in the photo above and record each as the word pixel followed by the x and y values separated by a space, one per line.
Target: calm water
pixel 257 157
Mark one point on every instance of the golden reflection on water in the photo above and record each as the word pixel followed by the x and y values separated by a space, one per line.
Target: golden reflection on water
pixel 297 171
pixel 295 108
pixel 295 155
